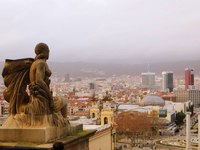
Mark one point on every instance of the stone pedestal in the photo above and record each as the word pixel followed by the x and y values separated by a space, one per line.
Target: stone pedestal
pixel 73 138
pixel 35 135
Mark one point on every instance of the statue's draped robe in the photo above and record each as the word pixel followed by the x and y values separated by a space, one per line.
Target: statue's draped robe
pixel 16 79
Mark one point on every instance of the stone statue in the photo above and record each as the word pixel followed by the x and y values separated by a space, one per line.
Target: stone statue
pixel 31 103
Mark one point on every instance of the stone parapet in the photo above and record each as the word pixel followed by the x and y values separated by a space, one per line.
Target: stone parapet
pixel 74 138
pixel 76 141
pixel 35 135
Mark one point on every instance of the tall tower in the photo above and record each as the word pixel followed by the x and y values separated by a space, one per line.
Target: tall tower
pixel 189 77
pixel 148 79
pixel 94 110
pixel 107 114
pixel 67 78
pixel 167 84
pixel 92 86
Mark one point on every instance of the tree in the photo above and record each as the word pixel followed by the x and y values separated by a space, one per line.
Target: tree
pixel 180 116
pixel 134 125
pixel 154 122
pixel 191 109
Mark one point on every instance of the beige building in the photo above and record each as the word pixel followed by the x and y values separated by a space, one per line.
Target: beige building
pixel 181 95
pixel 94 113
pixel 194 96
pixel 107 116
pixel 103 139
pixel 94 110
pixel 188 95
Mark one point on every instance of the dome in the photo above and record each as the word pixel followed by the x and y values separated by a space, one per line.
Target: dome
pixel 153 100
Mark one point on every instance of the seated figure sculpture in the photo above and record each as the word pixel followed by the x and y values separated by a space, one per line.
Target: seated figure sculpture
pixel 35 107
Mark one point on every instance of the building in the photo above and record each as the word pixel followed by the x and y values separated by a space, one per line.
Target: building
pixel 79 106
pixel 67 78
pixel 167 81
pixel 181 95
pixel 103 139
pixel 152 100
pixel 153 104
pixel 92 86
pixel 95 109
pixel 148 80
pixel 4 108
pixel 3 111
pixel 178 107
pixel 189 78
pixel 169 97
pixel 107 114
pixel 192 95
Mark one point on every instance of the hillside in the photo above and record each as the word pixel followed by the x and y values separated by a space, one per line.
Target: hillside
pixel 94 69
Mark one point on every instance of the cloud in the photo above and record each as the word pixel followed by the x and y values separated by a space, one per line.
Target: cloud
pixel 99 30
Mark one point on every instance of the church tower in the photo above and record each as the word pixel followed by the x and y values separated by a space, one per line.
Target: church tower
pixel 94 110
pixel 107 115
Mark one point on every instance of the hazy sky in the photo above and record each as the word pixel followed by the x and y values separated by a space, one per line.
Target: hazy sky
pixel 123 31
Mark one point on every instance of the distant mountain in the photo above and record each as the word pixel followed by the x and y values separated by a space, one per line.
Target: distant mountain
pixel 94 69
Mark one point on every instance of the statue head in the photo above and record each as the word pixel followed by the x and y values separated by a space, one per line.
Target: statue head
pixel 42 51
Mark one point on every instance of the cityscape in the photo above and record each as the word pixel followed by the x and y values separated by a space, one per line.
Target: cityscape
pixel 112 105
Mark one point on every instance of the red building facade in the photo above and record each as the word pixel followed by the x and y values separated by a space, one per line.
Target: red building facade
pixel 189 77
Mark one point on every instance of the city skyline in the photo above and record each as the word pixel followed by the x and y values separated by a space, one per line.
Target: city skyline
pixel 113 31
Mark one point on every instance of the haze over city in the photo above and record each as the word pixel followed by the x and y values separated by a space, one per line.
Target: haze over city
pixel 113 31
pixel 120 75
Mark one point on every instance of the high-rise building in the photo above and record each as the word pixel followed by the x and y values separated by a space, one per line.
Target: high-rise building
pixel 148 79
pixel 167 84
pixel 92 86
pixel 67 78
pixel 189 78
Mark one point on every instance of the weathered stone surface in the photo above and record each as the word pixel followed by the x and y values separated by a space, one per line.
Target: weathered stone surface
pixel 36 106
pixel 77 141
pixel 35 135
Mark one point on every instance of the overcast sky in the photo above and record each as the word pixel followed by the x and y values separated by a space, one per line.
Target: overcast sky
pixel 120 31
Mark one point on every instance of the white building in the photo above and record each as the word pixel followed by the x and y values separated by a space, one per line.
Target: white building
pixel 148 80
pixel 188 95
